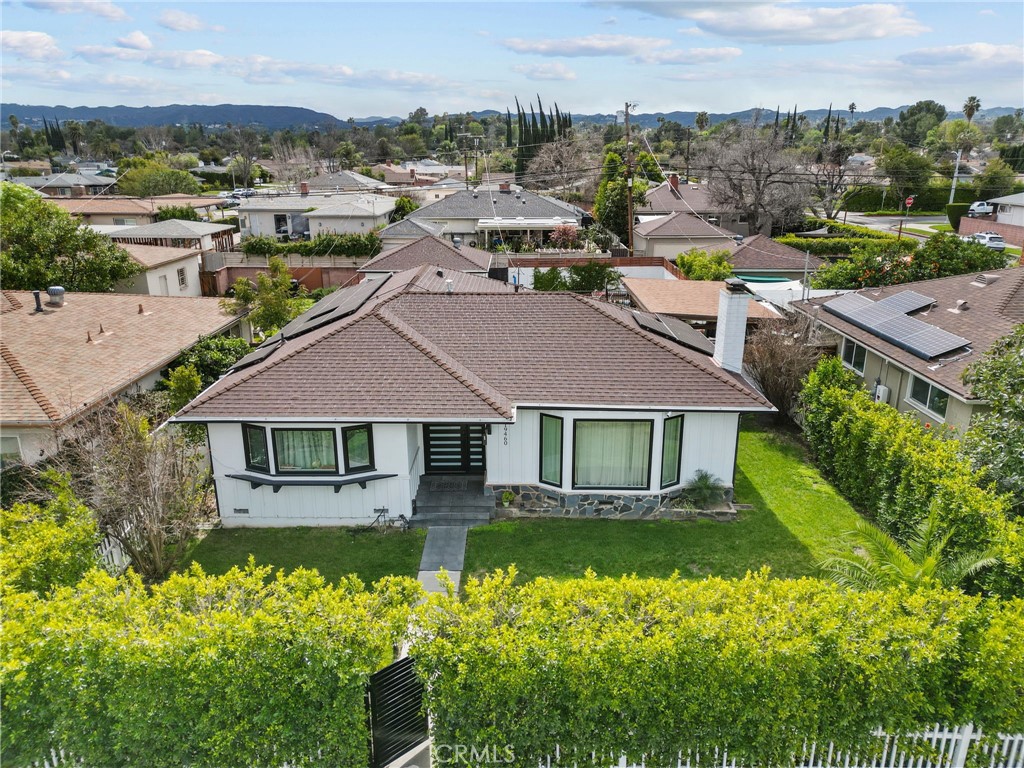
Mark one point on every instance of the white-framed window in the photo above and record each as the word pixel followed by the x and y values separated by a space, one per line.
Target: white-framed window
pixel 854 355
pixel 10 450
pixel 927 397
pixel 182 278
pixel 125 222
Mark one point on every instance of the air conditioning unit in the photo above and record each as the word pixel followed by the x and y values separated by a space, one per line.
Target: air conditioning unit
pixel 881 394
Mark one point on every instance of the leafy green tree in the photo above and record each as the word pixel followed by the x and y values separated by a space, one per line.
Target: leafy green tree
pixel 908 172
pixel 971 107
pixel 183 386
pixel 702 121
pixel 610 204
pixel 212 356
pixel 878 561
pixel 995 180
pixel 179 212
pixel 270 302
pixel 549 280
pixel 915 122
pixel 647 168
pixel 404 205
pixel 995 440
pixel 701 265
pixel 592 276
pixel 348 155
pixel 43 245
pixel 953 136
pixel 152 178
pixel 42 547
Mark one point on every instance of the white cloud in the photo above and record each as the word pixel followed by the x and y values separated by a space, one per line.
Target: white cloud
pixel 987 54
pixel 137 40
pixel 691 56
pixel 37 46
pixel 987 12
pixel 554 70
pixel 790 23
pixel 45 77
pixel 180 21
pixel 195 59
pixel 102 8
pixel 591 45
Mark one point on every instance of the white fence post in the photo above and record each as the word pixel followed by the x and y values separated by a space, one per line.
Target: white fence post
pixel 965 734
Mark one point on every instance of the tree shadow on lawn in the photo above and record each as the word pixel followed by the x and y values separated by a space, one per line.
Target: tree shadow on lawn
pixel 562 548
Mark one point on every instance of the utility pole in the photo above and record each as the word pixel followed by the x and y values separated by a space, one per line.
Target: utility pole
pixel 629 181
pixel 465 156
pixel 956 175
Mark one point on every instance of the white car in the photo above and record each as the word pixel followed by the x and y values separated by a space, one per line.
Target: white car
pixel 980 208
pixel 991 240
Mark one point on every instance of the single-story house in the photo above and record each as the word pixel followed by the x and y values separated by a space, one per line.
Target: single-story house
pixel 1010 209
pixel 175 233
pixel 345 181
pixel 280 216
pixel 407 230
pixel 69 184
pixel 911 343
pixel 693 301
pixel 668 236
pixel 449 256
pixel 677 196
pixel 761 259
pixel 491 217
pixel 169 271
pixel 431 378
pixel 112 210
pixel 357 215
pixel 65 355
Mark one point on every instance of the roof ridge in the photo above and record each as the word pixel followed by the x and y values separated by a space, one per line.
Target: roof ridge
pixel 11 297
pixel 465 376
pixel 26 380
pixel 715 371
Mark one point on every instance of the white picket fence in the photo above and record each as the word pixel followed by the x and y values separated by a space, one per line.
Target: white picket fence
pixel 114 558
pixel 939 747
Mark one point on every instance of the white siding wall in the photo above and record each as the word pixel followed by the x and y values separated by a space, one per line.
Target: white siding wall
pixel 709 443
pixel 524 275
pixel 319 506
pixel 344 225
pixel 170 271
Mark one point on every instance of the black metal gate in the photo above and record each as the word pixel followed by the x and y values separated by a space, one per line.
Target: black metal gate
pixel 454 449
pixel 394 705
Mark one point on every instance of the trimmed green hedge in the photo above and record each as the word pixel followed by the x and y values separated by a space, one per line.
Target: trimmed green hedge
pixel 932 198
pixel 234 671
pixel 842 246
pixel 648 667
pixel 891 466
pixel 850 230
pixel 955 212
pixel 326 244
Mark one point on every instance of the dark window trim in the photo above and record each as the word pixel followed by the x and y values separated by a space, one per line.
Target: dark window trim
pixel 561 450
pixel 248 455
pixel 679 458
pixel 926 407
pixel 650 451
pixel 334 437
pixel 852 365
pixel 349 469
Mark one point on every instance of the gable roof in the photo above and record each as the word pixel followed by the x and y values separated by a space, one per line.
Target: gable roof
pixel 489 204
pixel 409 227
pixel 686 198
pixel 995 304
pixel 151 256
pixel 429 250
pixel 172 228
pixel 57 363
pixel 1015 199
pixel 62 180
pixel 114 205
pixel 356 207
pixel 691 299
pixel 345 180
pixel 413 351
pixel 679 225
pixel 761 252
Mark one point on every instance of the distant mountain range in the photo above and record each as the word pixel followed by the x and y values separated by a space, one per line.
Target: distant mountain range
pixel 276 118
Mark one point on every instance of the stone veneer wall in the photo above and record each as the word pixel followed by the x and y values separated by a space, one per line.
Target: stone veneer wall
pixel 539 501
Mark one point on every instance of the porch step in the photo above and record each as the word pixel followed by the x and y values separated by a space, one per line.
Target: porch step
pixel 452 500
pixel 470 518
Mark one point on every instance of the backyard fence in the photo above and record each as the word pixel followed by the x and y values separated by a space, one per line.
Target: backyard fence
pixel 940 747
pixel 112 554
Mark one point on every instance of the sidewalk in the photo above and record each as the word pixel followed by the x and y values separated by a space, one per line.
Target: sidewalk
pixel 445 548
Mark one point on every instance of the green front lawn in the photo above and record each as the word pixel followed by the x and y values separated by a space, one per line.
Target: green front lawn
pixel 797 518
pixel 370 554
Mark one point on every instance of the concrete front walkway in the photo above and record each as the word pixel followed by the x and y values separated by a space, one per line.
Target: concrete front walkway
pixel 445 548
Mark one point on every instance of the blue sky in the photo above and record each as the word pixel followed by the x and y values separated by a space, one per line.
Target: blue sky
pixel 387 58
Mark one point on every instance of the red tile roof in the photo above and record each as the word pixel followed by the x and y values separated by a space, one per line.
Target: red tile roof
pixel 429 250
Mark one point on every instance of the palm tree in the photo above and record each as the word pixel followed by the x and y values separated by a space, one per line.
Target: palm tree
pixel 853 109
pixel 702 121
pixel 75 133
pixel 879 561
pixel 971 107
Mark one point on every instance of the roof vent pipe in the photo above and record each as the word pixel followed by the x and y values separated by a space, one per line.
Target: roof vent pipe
pixel 56 296
pixel 39 301
pixel 457 242
pixel 449 286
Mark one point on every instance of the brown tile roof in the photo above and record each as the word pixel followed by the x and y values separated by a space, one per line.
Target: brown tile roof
pixel 151 256
pixel 429 250
pixel 687 198
pixel 111 205
pixel 415 352
pixel 994 310
pixel 50 368
pixel 690 299
pixel 680 225
pixel 761 252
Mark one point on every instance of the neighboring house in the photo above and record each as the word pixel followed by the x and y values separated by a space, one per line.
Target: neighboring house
pixel 407 230
pixel 668 236
pixel 429 250
pixel 111 210
pixel 694 301
pixel 175 233
pixel 761 259
pixel 676 196
pixel 483 218
pixel 357 215
pixel 169 271
pixel 421 381
pixel 69 184
pixel 64 359
pixel 1010 209
pixel 1008 222
pixel 345 181
pixel 280 217
pixel 911 343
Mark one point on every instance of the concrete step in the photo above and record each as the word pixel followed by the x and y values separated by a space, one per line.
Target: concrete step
pixel 457 517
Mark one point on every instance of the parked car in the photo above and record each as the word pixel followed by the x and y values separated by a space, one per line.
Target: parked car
pixel 991 240
pixel 980 208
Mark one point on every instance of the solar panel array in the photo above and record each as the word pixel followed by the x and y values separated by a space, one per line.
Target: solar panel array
pixel 675 330
pixel 888 320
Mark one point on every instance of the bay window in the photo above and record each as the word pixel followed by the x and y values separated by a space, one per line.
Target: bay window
pixel 254 441
pixel 615 455
pixel 357 443
pixel 305 450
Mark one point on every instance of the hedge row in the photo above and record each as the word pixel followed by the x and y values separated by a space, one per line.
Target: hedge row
pixel 235 670
pixel 851 230
pixel 325 244
pixel 891 466
pixel 648 667
pixel 931 198
pixel 841 246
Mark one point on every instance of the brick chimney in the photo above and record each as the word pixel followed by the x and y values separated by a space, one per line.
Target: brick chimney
pixel 504 187
pixel 673 181
pixel 304 188
pixel 731 332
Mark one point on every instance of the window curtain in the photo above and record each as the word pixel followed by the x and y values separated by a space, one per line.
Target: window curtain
pixel 311 450
pixel 612 454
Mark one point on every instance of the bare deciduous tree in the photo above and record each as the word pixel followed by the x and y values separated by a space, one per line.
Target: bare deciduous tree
pixel 778 356
pixel 563 165
pixel 832 180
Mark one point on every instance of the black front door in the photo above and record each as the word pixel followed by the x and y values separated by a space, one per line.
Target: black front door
pixel 454 449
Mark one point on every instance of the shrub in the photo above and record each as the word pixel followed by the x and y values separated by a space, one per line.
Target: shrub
pixel 649 667
pixel 955 212
pixel 701 265
pixel 841 246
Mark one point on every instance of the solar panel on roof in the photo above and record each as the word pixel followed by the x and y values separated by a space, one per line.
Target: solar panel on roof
pixel 931 342
pixel 256 356
pixel 846 303
pixel 873 315
pixel 906 301
pixel 334 306
pixel 675 330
